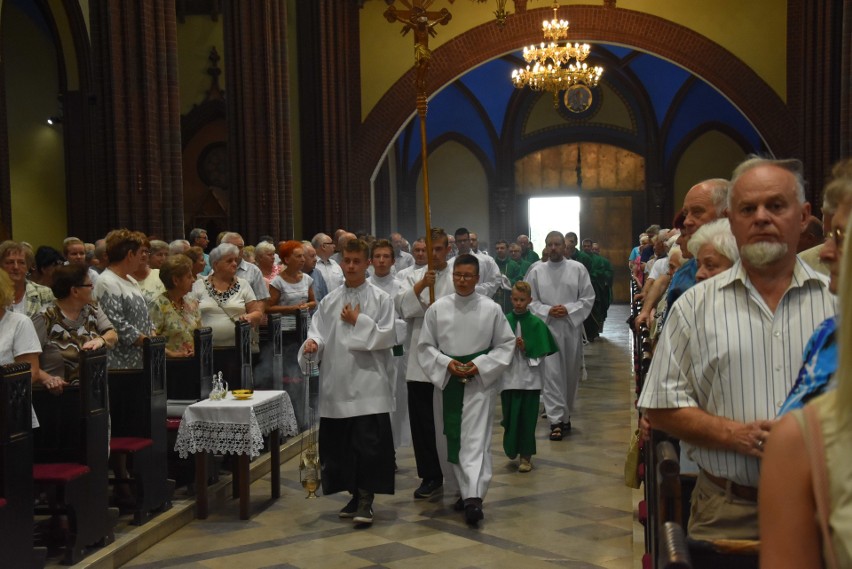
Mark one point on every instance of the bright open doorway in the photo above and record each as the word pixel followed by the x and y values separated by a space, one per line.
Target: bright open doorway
pixel 553 214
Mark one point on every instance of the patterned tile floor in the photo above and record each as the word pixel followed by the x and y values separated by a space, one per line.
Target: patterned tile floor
pixel 572 510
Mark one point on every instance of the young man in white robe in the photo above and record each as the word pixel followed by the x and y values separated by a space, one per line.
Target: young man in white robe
pixel 382 261
pixel 412 300
pixel 352 333
pixel 563 297
pixel 465 346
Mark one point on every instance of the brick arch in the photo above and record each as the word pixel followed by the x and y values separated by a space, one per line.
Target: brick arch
pixel 719 67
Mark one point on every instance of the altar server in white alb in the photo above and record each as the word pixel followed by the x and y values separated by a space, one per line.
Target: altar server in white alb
pixel 465 346
pixel 563 297
pixel 352 333
pixel 382 261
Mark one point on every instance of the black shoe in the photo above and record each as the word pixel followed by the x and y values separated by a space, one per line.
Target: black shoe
pixel 566 426
pixel 428 489
pixel 459 505
pixel 364 515
pixel 350 509
pixel 472 514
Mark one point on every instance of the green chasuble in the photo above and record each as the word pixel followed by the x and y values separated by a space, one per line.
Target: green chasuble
pixel 453 396
pixel 538 341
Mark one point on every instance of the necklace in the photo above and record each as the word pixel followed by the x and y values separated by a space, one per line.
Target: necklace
pixel 178 305
pixel 221 297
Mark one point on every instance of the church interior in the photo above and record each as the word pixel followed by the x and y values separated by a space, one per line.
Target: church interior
pixel 294 117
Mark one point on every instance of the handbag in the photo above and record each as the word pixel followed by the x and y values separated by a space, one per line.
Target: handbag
pixel 819 476
pixel 631 463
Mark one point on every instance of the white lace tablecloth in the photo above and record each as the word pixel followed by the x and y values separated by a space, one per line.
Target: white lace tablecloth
pixel 231 426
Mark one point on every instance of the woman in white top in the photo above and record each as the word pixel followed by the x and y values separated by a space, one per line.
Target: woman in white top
pixel 225 298
pixel 291 291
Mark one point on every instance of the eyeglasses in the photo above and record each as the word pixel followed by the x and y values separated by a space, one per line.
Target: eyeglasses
pixel 464 276
pixel 837 234
pixel 90 285
pixel 327 244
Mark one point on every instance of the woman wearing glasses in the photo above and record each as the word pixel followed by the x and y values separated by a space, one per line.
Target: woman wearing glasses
pixel 70 325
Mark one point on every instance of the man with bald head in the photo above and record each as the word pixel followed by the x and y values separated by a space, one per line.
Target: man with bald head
pixel 704 202
pixel 402 258
pixel 527 253
pixel 310 269
pixel 344 238
pixel 328 267
pixel 733 344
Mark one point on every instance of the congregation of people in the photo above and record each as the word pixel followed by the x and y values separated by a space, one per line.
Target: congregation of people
pixel 741 298
pixel 415 342
pixel 371 314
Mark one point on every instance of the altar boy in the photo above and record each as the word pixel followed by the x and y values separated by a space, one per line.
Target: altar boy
pixel 352 333
pixel 473 329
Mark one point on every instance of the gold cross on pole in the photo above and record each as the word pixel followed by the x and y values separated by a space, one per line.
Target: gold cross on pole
pixel 422 21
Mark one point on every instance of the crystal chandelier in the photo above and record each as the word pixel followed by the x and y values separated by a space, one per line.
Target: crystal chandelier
pixel 555 67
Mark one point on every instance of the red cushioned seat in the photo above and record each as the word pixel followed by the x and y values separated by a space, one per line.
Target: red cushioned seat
pixel 129 444
pixel 2 502
pixel 58 473
pixel 643 512
pixel 646 561
pixel 172 423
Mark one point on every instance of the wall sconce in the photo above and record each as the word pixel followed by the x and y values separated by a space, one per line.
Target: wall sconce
pixel 53 121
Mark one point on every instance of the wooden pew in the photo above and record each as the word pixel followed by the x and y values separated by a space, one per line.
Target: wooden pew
pixel 16 466
pixel 189 380
pixel 70 449
pixel 138 409
pixel 268 367
pixel 677 549
pixel 235 361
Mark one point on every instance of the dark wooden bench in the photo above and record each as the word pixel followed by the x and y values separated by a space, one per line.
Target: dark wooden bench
pixel 235 361
pixel 16 465
pixel 268 367
pixel 188 380
pixel 70 455
pixel 138 409
pixel 675 549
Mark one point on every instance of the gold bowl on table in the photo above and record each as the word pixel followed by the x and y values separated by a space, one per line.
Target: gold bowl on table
pixel 242 394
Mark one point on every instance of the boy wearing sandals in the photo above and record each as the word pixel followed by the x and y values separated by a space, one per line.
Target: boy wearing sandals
pixel 521 384
pixel 352 333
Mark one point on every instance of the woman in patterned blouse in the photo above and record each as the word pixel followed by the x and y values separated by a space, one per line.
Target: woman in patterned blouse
pixel 224 297
pixel 175 315
pixel 121 299
pixel 71 324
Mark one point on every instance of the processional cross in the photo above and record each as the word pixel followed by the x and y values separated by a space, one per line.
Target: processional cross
pixel 422 21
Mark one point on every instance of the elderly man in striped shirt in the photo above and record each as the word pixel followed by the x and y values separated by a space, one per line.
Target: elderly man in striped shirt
pixel 732 346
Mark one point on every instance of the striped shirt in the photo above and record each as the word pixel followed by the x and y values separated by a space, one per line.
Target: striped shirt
pixel 725 352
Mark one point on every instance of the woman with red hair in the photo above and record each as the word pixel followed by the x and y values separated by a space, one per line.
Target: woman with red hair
pixel 291 291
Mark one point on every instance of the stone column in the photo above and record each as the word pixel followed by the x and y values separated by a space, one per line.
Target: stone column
pixel 138 182
pixel 256 86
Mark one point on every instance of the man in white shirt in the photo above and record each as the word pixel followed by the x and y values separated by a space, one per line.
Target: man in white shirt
pixel 489 273
pixel 331 271
pixel 732 347
pixel 402 258
pixel 418 252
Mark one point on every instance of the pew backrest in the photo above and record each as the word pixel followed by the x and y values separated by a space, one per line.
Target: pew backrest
pixel 235 361
pixel 189 379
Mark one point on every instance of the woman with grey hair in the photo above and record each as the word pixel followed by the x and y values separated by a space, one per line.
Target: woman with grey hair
pixel 264 256
pixel 714 248
pixel 225 298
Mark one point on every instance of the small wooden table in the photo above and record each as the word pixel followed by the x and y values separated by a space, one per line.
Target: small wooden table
pixel 232 426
